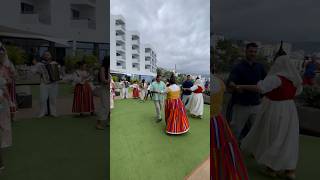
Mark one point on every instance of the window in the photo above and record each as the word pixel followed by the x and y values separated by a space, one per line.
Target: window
pixel 118 64
pixel 75 14
pixel 27 8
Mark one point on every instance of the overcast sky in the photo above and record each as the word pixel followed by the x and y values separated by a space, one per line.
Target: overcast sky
pixel 290 20
pixel 178 29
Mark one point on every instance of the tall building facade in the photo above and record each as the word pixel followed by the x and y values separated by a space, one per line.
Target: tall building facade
pixel 66 25
pixel 128 55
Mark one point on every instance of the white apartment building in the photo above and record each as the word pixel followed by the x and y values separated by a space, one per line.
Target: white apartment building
pixel 64 25
pixel 128 55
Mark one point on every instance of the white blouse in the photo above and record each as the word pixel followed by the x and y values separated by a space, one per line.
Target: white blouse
pixel 269 83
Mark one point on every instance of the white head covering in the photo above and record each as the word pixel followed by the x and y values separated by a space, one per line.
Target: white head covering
pixel 199 83
pixel 284 66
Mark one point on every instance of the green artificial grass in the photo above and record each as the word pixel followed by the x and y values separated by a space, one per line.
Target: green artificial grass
pixel 141 150
pixel 307 165
pixel 62 148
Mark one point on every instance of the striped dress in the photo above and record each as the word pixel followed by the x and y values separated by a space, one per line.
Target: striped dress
pixel 226 160
pixel 11 85
pixel 175 112
pixel 83 97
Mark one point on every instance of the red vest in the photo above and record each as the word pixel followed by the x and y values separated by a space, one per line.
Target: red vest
pixel 199 90
pixel 286 91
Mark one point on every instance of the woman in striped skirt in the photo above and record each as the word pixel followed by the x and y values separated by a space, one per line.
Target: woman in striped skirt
pixel 175 112
pixel 226 159
pixel 135 91
pixel 83 96
pixel 11 85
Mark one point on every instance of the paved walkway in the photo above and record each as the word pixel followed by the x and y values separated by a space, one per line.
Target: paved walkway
pixel 202 172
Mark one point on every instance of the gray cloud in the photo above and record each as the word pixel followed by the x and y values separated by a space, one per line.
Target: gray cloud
pixel 178 29
pixel 270 20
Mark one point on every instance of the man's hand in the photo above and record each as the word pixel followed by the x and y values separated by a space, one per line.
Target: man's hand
pixel 233 87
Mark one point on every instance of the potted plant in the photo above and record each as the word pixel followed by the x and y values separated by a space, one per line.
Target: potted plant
pixel 308 106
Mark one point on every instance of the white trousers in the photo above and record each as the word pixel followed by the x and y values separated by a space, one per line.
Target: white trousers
pixel 104 103
pixel 48 91
pixel 125 93
pixel 143 94
pixel 240 116
pixel 159 107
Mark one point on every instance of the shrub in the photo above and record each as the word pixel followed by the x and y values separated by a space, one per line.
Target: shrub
pixel 17 55
pixel 311 96
pixel 72 60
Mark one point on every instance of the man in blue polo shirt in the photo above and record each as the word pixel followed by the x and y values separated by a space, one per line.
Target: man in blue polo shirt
pixel 245 103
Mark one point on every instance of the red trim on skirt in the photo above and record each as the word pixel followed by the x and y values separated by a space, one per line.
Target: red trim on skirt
pixel 83 99
pixel 176 117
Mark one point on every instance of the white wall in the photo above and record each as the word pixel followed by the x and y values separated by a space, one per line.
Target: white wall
pixel 60 26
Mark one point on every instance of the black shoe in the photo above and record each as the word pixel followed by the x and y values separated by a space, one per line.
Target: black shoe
pixel 159 120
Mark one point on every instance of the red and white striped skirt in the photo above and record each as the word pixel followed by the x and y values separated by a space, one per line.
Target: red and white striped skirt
pixel 13 99
pixel 83 99
pixel 176 117
pixel 135 93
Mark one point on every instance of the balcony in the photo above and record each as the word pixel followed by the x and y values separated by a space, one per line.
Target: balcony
pixel 121 27
pixel 148 62
pixel 147 67
pixel 148 54
pixel 91 3
pixel 136 42
pixel 29 18
pixel 135 51
pixel 121 58
pixel 83 24
pixel 120 38
pixel 121 48
pixel 135 60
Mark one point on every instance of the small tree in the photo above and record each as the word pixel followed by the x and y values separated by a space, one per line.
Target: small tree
pixel 16 55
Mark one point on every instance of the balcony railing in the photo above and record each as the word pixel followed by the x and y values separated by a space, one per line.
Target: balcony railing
pixel 121 58
pixel 91 3
pixel 29 18
pixel 121 48
pixel 83 23
pixel 137 42
pixel 121 27
pixel 135 51
pixel 120 38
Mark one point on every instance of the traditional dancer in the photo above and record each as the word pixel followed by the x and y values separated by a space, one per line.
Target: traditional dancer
pixel 83 97
pixel 5 122
pixel 126 89
pixel 112 92
pixel 226 162
pixel 143 90
pixel 157 88
pixel 12 84
pixel 195 106
pixel 274 137
pixel 135 91
pixel 48 69
pixel 175 112
pixel 186 93
pixel 104 112
pixel 4 114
